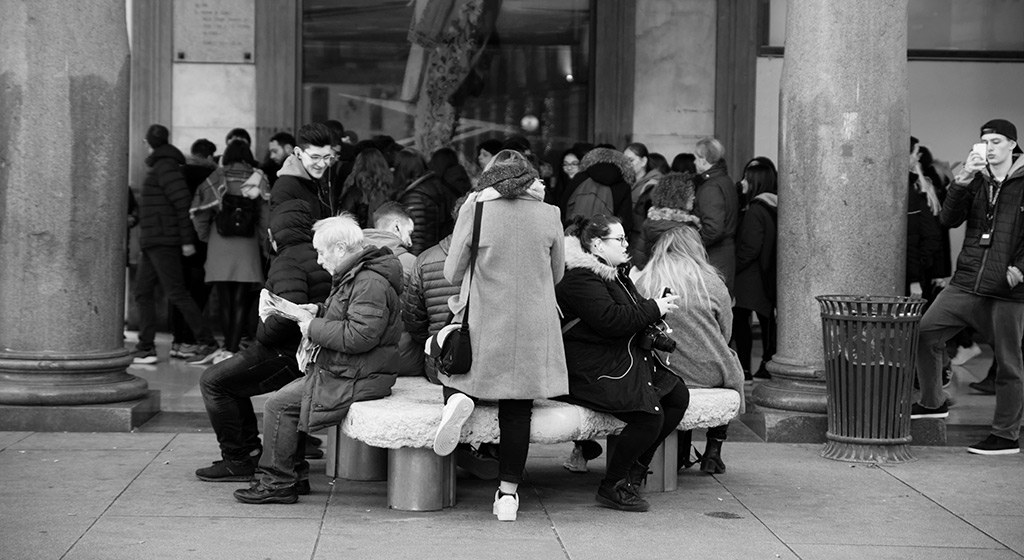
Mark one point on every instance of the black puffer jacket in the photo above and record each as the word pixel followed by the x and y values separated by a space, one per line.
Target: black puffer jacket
pixel 981 270
pixel 163 208
pixel 608 371
pixel 429 202
pixel 601 168
pixel 294 273
pixel 425 300
pixel 294 183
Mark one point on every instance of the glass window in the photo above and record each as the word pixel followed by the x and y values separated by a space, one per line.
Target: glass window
pixel 968 29
pixel 522 68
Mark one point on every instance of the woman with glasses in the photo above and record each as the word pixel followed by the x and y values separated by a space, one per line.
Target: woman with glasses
pixel 608 335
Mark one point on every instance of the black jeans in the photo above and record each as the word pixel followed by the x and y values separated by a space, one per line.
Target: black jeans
pixel 645 431
pixel 228 386
pixel 514 417
pixel 163 265
pixel 194 276
pixel 742 333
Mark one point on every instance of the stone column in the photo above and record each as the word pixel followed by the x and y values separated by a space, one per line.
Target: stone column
pixel 64 87
pixel 844 141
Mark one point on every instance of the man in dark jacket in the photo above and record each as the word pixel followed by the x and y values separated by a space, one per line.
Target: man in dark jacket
pixel 302 173
pixel 269 363
pixel 986 292
pixel 356 332
pixel 165 235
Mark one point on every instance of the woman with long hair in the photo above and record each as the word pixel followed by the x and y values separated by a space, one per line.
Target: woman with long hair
pixel 608 333
pixel 702 324
pixel 369 185
pixel 755 288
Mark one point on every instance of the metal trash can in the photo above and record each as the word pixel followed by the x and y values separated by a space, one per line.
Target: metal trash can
pixel 870 347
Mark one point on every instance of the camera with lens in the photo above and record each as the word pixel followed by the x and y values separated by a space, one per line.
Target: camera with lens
pixel 656 338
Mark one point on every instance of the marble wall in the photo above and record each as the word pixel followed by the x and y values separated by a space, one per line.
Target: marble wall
pixel 208 100
pixel 674 103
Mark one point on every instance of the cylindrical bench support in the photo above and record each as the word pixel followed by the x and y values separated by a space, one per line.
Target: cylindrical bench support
pixel 418 480
pixel 663 470
pixel 354 460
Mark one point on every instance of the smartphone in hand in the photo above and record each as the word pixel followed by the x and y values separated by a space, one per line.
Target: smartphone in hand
pixel 981 149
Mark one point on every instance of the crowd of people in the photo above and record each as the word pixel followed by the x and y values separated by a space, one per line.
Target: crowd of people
pixel 609 279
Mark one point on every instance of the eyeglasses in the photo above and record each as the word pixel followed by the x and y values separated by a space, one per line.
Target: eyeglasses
pixel 571 164
pixel 621 239
pixel 316 158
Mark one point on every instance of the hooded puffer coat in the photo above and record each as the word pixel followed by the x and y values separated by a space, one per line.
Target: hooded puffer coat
pixel 357 329
pixel 608 370
pixel 602 186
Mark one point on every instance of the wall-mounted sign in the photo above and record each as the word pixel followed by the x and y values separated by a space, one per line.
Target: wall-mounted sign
pixel 214 31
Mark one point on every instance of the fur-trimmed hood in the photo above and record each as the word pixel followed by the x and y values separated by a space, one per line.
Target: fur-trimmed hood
pixel 673 215
pixel 576 257
pixel 604 174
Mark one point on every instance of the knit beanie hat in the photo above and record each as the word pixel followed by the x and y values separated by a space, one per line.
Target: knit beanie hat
pixel 674 190
pixel 510 174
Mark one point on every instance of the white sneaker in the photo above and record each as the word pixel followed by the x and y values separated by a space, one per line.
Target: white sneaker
pixel 576 463
pixel 505 507
pixel 455 414
pixel 221 355
pixel 963 355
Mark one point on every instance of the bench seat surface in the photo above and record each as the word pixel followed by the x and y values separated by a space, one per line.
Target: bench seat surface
pixel 410 416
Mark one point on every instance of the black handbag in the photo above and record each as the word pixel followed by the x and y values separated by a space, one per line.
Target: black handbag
pixel 456 354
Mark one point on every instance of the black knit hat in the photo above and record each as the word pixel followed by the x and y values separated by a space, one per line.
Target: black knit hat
pixel 510 174
pixel 674 190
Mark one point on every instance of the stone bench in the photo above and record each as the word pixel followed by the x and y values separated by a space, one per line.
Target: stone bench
pixel 393 438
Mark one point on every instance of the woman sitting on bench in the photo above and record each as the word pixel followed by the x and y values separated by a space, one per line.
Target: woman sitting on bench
pixel 609 334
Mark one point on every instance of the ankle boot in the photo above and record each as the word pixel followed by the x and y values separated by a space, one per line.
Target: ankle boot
pixel 711 462
pixel 684 459
pixel 637 474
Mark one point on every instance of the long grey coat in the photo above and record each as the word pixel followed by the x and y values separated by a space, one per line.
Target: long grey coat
pixel 513 318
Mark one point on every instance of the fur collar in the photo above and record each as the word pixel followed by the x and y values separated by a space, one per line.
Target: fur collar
pixel 672 215
pixel 576 257
pixel 605 155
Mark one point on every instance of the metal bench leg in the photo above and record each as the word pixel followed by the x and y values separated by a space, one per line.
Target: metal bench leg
pixel 419 480
pixel 354 460
pixel 663 467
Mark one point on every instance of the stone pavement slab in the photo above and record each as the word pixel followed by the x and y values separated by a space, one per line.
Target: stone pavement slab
pixel 74 496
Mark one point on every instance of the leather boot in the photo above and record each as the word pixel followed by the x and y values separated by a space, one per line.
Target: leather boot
pixel 711 462
pixel 684 460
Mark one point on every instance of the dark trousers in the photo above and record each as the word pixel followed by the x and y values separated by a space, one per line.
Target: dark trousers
pixel 194 275
pixel 645 431
pixel 742 333
pixel 228 386
pixel 514 417
pixel 163 265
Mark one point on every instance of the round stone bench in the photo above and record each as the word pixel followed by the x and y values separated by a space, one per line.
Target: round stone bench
pixel 396 434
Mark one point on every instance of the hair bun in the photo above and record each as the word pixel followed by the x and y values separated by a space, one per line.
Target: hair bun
pixel 577 224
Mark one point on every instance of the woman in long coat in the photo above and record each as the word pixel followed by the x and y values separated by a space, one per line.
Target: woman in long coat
pixel 516 335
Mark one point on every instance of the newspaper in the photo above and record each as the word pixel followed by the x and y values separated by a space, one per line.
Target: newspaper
pixel 273 304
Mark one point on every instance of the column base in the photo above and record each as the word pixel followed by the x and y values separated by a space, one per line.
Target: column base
pixel 55 379
pixel 785 426
pixel 112 417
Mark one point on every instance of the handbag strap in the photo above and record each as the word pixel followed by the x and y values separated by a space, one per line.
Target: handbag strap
pixel 473 246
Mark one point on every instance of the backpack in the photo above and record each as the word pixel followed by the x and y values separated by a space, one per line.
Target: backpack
pixel 237 216
pixel 591 199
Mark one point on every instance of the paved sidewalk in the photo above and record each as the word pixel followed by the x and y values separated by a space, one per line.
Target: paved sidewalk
pixel 108 496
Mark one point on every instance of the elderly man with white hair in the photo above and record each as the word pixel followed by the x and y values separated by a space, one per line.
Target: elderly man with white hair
pixel 354 337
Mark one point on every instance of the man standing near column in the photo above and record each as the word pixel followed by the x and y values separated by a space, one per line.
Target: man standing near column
pixel 165 235
pixel 986 292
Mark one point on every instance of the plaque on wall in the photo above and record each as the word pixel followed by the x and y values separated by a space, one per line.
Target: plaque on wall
pixel 214 31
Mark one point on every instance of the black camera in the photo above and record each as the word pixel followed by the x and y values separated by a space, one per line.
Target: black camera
pixel 655 338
